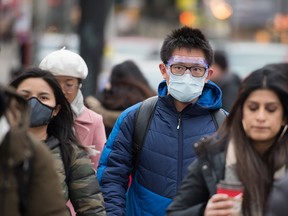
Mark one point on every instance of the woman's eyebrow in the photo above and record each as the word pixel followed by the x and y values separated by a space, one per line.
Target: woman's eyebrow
pixel 24 90
pixel 44 93
pixel 266 103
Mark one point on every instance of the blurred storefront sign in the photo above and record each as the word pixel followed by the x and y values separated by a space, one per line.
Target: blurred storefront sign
pixel 253 14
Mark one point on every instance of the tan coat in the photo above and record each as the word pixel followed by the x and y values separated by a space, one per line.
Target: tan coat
pixel 44 197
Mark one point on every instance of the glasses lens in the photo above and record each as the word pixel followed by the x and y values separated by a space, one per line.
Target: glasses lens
pixel 179 70
pixel 70 87
pixel 197 71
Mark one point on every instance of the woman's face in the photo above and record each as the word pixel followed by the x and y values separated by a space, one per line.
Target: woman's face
pixel 69 85
pixel 39 88
pixel 263 116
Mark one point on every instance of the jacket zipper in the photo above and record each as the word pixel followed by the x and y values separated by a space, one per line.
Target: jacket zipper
pixel 180 152
pixel 179 121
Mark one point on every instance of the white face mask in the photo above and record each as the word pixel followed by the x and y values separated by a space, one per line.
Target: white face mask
pixel 186 88
pixel 4 128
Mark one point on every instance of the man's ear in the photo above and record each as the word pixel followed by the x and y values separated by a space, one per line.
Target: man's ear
pixel 163 70
pixel 210 72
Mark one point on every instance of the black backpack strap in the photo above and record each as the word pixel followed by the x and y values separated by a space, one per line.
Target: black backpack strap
pixel 218 117
pixel 142 124
pixel 24 173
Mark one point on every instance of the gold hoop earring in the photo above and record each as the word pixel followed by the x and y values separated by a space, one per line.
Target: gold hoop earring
pixel 283 131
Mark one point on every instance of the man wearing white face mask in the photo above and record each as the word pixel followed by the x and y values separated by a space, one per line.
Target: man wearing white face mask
pixel 181 117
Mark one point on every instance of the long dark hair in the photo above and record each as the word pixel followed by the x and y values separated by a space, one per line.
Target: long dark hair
pixel 128 87
pixel 256 171
pixel 61 126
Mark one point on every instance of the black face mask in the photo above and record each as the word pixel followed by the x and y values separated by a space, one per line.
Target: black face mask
pixel 40 114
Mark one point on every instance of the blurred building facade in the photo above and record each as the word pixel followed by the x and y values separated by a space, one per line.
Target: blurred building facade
pixel 221 20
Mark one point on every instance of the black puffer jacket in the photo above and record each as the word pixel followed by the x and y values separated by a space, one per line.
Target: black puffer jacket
pixel 200 183
pixel 277 204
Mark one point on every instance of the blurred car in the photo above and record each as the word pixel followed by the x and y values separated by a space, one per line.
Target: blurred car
pixel 245 57
pixel 145 52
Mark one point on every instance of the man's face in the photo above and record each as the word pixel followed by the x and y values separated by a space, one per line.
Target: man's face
pixel 196 53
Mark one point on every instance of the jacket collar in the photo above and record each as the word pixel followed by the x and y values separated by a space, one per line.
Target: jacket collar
pixel 211 97
pixel 52 142
pixel 85 117
pixel 81 124
pixel 212 157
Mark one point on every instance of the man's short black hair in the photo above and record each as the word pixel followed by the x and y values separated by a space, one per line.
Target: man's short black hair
pixel 188 38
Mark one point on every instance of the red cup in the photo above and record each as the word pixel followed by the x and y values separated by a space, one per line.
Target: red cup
pixel 232 189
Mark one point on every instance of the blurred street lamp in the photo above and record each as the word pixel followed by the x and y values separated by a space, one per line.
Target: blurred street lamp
pixel 281 26
pixel 220 9
pixel 281 22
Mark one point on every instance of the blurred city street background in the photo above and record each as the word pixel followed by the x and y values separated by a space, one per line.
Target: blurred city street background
pixel 107 32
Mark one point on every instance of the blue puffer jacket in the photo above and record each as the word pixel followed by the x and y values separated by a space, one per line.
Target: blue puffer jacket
pixel 163 161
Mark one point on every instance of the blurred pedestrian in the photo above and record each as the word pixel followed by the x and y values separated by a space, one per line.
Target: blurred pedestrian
pixel 127 87
pixel 228 81
pixel 51 121
pixel 7 18
pixel 182 115
pixel 250 148
pixel 70 70
pixel 22 28
pixel 277 200
pixel 26 173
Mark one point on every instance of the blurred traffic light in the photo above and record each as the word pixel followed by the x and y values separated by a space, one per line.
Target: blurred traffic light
pixel 221 9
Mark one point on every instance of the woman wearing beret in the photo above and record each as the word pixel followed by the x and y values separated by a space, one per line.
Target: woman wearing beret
pixel 70 70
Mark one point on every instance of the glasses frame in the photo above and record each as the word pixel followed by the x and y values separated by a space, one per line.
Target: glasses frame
pixel 187 68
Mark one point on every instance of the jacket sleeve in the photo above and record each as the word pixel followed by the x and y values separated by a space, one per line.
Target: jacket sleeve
pixel 193 195
pixel 84 190
pixel 277 202
pixel 99 138
pixel 115 164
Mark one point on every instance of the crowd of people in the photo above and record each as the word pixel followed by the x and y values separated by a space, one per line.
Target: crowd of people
pixel 61 154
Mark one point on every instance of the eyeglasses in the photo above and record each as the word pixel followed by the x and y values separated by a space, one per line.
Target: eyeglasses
pixel 68 87
pixel 195 70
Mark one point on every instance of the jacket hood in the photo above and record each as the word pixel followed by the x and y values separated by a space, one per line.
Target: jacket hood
pixel 211 97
